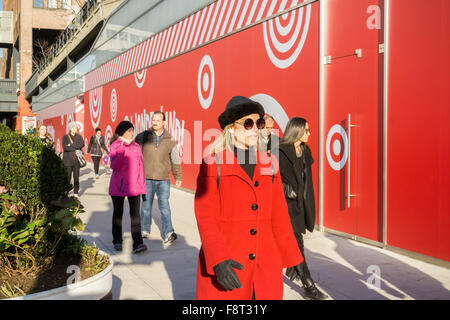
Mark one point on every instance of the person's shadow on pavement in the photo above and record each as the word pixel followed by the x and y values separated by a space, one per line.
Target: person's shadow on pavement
pixel 354 277
pixel 177 260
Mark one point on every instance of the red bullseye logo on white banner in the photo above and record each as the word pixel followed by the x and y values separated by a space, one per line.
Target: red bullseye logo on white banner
pixel 285 35
pixel 139 77
pixel 113 105
pixel 337 147
pixel 205 82
pixel 95 106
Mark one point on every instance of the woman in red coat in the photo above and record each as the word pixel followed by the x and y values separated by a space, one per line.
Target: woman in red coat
pixel 243 221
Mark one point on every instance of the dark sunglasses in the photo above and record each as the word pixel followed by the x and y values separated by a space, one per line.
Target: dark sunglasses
pixel 249 123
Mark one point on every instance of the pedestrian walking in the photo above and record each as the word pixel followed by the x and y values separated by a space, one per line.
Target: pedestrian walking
pixel 247 238
pixel 160 158
pixel 43 134
pixel 96 148
pixel 72 141
pixel 296 175
pixel 127 180
pixel 269 140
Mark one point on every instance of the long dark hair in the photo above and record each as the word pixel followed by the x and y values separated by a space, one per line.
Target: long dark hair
pixel 295 129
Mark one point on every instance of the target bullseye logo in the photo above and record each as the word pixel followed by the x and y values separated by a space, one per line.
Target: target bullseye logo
pixel 285 35
pixel 337 147
pixel 95 106
pixel 139 77
pixel 108 134
pixel 205 82
pixel 113 105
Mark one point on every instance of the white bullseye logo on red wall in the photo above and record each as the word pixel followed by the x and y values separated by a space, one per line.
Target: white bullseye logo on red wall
pixel 95 106
pixel 139 77
pixel 113 105
pixel 285 35
pixel 272 107
pixel 108 134
pixel 205 82
pixel 337 147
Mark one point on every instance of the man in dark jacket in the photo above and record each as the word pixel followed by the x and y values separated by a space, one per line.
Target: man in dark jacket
pixel 269 141
pixel 71 142
pixel 96 144
pixel 160 153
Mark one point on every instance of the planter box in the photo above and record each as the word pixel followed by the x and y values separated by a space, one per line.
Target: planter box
pixel 93 288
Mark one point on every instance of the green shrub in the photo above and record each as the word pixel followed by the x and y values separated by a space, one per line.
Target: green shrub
pixel 32 171
pixel 35 213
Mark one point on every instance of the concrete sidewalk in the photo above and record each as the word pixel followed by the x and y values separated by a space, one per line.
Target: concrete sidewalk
pixel 341 267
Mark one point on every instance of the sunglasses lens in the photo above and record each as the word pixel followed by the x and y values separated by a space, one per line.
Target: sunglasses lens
pixel 260 123
pixel 248 124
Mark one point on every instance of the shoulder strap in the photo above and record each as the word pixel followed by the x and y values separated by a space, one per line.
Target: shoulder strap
pixel 68 135
pixel 218 169
pixel 271 163
pixel 144 139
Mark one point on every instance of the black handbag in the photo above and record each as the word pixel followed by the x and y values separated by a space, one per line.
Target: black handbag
pixel 289 192
pixel 79 155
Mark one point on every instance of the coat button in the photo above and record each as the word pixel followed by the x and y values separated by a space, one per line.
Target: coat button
pixel 256 183
pixel 253 232
pixel 254 206
pixel 251 256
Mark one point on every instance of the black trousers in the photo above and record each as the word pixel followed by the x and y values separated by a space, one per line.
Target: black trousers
pixel 304 266
pixel 96 160
pixel 75 170
pixel 135 216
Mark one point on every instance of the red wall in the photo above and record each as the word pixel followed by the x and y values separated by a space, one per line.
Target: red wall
pixel 241 66
pixel 352 86
pixel 418 185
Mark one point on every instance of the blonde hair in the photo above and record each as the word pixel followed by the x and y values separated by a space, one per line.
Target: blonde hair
pixel 225 141
pixel 47 134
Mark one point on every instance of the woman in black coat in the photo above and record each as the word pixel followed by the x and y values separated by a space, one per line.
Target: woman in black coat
pixel 96 144
pixel 295 168
pixel 71 142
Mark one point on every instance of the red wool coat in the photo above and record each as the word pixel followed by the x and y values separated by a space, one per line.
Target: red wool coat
pixel 247 221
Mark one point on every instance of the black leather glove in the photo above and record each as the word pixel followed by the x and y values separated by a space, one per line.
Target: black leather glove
pixel 292 274
pixel 226 275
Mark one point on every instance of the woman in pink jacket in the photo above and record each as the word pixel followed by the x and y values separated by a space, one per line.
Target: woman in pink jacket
pixel 127 180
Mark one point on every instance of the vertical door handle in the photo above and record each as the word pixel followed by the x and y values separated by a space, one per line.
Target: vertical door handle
pixel 349 194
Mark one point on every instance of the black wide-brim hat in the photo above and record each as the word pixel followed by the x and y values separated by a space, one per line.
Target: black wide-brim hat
pixel 237 108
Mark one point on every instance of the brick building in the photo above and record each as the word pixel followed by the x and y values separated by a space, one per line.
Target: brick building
pixel 35 25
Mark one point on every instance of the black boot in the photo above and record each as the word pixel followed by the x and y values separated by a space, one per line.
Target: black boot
pixel 311 291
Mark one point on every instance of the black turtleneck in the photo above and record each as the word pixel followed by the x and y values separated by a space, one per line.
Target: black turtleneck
pixel 246 159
